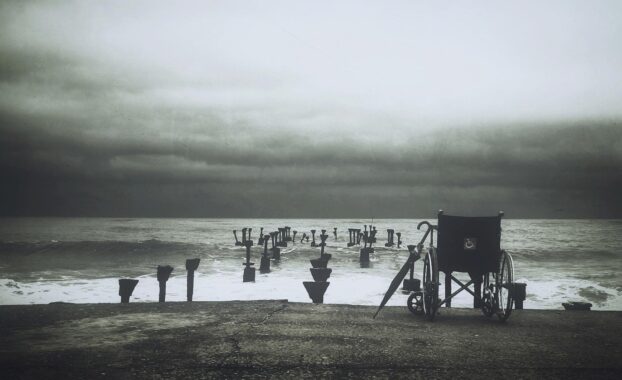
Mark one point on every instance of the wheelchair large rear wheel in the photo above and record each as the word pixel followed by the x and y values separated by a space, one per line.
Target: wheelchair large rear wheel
pixel 504 280
pixel 430 284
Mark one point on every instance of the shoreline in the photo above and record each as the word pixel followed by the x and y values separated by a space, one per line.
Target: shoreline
pixel 277 338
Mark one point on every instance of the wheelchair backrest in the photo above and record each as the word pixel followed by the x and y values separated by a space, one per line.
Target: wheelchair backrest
pixel 468 244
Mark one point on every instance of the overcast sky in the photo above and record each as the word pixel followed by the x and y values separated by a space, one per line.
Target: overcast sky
pixel 311 108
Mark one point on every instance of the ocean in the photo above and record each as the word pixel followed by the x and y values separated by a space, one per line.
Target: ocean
pixel 79 260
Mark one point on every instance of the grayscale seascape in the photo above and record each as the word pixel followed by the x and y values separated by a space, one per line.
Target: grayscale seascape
pixel 137 137
pixel 80 259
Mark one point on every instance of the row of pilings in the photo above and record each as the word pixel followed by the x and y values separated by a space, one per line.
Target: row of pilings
pixel 272 243
pixel 127 285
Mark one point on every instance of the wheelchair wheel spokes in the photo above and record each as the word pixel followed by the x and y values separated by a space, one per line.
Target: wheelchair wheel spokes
pixel 505 277
pixel 488 307
pixel 430 284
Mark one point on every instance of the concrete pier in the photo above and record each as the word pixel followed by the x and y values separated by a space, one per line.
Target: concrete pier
pixel 277 339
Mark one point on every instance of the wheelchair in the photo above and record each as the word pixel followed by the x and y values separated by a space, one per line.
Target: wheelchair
pixel 464 244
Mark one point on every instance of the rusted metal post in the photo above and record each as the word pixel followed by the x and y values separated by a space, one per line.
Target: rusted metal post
pixel 191 266
pixel 249 270
pixel 237 242
pixel 163 274
pixel 276 252
pixel 264 267
pixel 126 288
pixel 519 293
pixel 260 239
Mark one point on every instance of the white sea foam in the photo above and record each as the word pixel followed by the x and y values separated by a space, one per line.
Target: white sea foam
pixel 80 260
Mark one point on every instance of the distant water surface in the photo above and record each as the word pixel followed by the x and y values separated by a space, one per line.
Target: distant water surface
pixel 80 260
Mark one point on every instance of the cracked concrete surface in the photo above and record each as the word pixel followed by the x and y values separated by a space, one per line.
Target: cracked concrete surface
pixel 278 339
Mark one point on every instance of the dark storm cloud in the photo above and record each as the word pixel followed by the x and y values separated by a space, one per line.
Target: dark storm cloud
pixel 261 113
pixel 576 164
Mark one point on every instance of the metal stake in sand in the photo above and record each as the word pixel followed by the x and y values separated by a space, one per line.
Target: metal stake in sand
pixel 126 288
pixel 294 236
pixel 399 239
pixel 249 270
pixel 264 267
pixel 359 235
pixel 304 235
pixel 350 240
pixel 163 274
pixel 313 241
pixel 191 266
pixel 335 232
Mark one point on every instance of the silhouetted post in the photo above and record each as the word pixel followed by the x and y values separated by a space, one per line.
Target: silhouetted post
pixel 335 232
pixel 359 235
pixel 294 236
pixel 126 288
pixel 399 239
pixel 191 266
pixel 316 290
pixel 249 270
pixel 260 240
pixel 313 240
pixel 304 235
pixel 281 238
pixel 389 242
pixel 163 274
pixel 288 236
pixel 323 237
pixel 249 233
pixel 235 234
pixel 276 252
pixel 372 234
pixel 264 267
pixel 350 243
pixel 369 239
pixel 364 252
pixel 519 294
pixel 243 236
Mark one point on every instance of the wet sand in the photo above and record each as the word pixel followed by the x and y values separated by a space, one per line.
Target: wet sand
pixel 278 339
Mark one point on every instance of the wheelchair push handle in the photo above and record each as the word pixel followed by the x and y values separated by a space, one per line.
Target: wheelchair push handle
pixel 429 231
